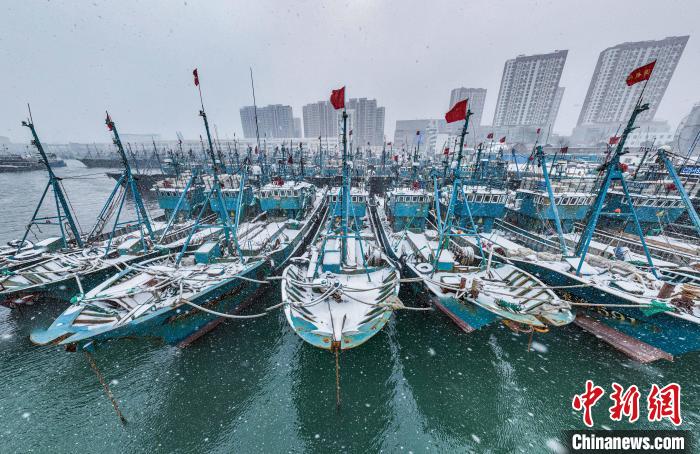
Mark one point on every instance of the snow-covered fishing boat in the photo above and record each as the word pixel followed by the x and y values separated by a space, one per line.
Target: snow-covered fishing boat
pixel 661 313
pixel 84 261
pixel 474 291
pixel 179 298
pixel 648 304
pixel 339 293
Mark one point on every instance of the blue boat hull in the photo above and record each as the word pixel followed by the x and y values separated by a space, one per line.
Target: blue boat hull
pixel 467 316
pixel 183 324
pixel 663 331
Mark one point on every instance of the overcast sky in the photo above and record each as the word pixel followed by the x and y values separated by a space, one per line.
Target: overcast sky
pixel 135 57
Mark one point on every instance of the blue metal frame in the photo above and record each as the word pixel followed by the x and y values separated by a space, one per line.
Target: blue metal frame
pixel 681 190
pixel 224 218
pixel 552 201
pixel 62 208
pixel 613 173
pixel 126 179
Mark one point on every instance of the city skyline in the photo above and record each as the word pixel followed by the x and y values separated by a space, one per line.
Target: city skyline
pixel 141 69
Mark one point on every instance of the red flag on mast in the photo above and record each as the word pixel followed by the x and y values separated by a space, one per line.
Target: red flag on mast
pixel 338 98
pixel 490 136
pixel 457 112
pixel 614 140
pixel 502 140
pixel 640 74
pixel 196 77
pixel 110 124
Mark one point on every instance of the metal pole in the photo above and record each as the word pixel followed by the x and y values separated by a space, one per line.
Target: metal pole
pixel 552 203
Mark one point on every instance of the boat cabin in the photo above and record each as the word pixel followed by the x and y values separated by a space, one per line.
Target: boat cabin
pixel 286 198
pixel 407 208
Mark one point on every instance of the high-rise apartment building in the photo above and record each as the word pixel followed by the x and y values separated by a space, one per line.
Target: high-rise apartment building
pixel 529 88
pixel 610 100
pixel 367 121
pixel 274 121
pixel 320 120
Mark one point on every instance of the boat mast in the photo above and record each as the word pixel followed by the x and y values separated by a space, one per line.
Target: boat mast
pixel 301 160
pixel 414 164
pixel 384 158
pixel 552 201
pixel 613 172
pixel 216 189
pixel 61 201
pixel 345 191
pixel 446 230
pixel 129 182
pixel 255 109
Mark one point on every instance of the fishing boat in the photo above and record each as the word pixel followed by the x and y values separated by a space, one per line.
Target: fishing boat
pixel 18 163
pixel 183 193
pixel 179 298
pixel 87 260
pixel 640 302
pixel 338 294
pixel 472 290
pixel 484 186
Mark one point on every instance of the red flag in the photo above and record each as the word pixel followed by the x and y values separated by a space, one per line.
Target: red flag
pixel 641 73
pixel 196 77
pixel 389 143
pixel 457 112
pixel 564 149
pixel 447 151
pixel 338 98
pixel 396 158
pixel 490 136
pixel 538 130
pixel 502 140
pixel 110 124
pixel 614 140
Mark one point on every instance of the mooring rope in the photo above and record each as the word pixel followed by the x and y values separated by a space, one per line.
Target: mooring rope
pixel 221 314
pixel 105 386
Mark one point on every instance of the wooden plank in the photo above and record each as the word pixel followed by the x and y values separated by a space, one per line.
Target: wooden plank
pixel 634 348
pixel 201 332
pixel 464 326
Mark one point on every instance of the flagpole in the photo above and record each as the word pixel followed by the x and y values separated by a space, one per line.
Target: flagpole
pixel 644 87
pixel 199 87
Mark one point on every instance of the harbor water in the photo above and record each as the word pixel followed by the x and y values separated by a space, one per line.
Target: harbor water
pixel 420 385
